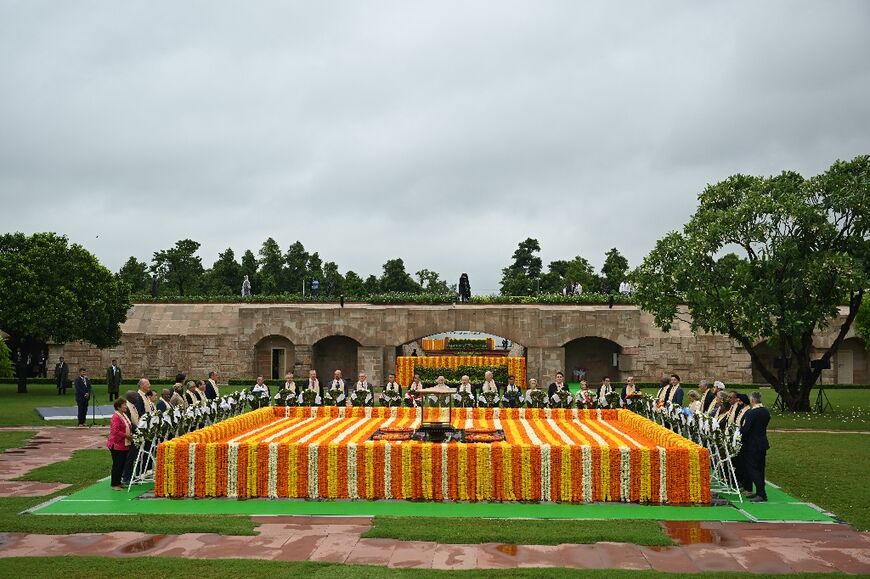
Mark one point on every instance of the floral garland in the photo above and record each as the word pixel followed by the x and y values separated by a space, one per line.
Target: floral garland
pixel 391 398
pixel 551 454
pixel 537 398
pixel 334 396
pixel 561 399
pixel 488 400
pixel 360 398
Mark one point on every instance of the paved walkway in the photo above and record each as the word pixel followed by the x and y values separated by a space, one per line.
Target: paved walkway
pixel 755 547
pixel 735 547
pixel 49 445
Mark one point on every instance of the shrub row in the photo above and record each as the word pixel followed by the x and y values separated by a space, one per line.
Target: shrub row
pixel 392 298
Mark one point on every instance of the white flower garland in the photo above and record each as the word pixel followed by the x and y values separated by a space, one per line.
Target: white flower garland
pixel 273 470
pixel 445 483
pixel 312 471
pixel 624 473
pixel 352 480
pixel 388 482
pixel 587 473
pixel 233 470
pixel 545 473
pixel 191 470
pixel 663 476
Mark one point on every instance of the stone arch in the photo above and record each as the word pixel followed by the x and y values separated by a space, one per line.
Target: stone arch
pixel 852 352
pixel 598 356
pixel 516 348
pixel 274 355
pixel 335 352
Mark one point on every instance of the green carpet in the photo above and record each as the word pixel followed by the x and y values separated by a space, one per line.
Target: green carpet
pixel 99 499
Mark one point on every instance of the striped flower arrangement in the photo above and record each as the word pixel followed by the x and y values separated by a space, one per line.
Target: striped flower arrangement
pixel 549 455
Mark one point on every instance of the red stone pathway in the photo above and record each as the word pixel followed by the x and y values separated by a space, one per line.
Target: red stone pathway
pixel 758 547
pixel 49 445
pixel 755 547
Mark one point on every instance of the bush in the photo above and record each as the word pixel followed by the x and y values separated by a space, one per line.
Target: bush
pixel 467 344
pixel 392 298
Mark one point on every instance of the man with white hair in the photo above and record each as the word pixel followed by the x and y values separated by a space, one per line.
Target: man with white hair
pixel 489 384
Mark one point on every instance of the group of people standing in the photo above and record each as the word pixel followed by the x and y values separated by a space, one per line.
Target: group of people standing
pixel 134 404
pixel 745 412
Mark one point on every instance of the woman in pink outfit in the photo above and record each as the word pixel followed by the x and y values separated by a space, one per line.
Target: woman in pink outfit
pixel 120 437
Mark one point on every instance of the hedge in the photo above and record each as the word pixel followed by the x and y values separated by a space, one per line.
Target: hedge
pixel 396 298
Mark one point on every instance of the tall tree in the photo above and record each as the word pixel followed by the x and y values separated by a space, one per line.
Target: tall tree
pixel 249 268
pixel 431 282
pixel 396 279
pixel 271 270
pixel 53 291
pixel 135 274
pixel 5 360
pixel 522 277
pixel 769 259
pixel 332 279
pixel 371 286
pixel 179 267
pixel 353 285
pixel 314 269
pixel 296 259
pixel 862 322
pixel 614 269
pixel 225 275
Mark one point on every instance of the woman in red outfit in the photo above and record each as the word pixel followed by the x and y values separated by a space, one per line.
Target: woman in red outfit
pixel 120 437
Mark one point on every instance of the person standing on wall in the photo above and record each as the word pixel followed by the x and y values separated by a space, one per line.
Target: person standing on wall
pixel 83 395
pixel 113 379
pixel 61 376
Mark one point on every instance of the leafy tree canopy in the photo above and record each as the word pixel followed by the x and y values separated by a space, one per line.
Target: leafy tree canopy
pixel 768 258
pixel 135 274
pixel 396 279
pixel 53 291
pixel 179 267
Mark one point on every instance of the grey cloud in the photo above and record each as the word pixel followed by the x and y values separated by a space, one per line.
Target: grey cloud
pixel 443 133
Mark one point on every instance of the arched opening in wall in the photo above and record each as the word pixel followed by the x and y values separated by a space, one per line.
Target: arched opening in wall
pixel 768 357
pixel 466 342
pixel 335 353
pixel 592 358
pixel 274 356
pixel 452 353
pixel 851 362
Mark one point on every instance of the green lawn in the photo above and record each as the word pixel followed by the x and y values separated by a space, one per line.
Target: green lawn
pixel 83 469
pixel 105 567
pixel 14 438
pixel 516 532
pixel 20 409
pixel 829 470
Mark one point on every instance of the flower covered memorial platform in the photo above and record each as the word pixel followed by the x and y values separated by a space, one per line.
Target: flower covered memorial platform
pixel 548 455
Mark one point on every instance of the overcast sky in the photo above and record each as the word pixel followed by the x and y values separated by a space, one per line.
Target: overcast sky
pixel 443 132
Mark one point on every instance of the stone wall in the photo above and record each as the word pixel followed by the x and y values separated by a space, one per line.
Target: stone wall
pixel 158 340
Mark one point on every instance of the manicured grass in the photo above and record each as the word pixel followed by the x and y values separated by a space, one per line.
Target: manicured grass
pixel 105 567
pixel 829 470
pixel 516 532
pixel 83 469
pixel 20 409
pixel 14 438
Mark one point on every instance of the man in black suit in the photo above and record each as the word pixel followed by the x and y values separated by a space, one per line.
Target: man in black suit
pixel 61 376
pixel 113 379
pixel 338 382
pixel 755 445
pixel 83 395
pixel 708 395
pixel 211 388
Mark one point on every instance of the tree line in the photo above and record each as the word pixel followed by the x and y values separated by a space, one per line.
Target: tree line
pixel 179 271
